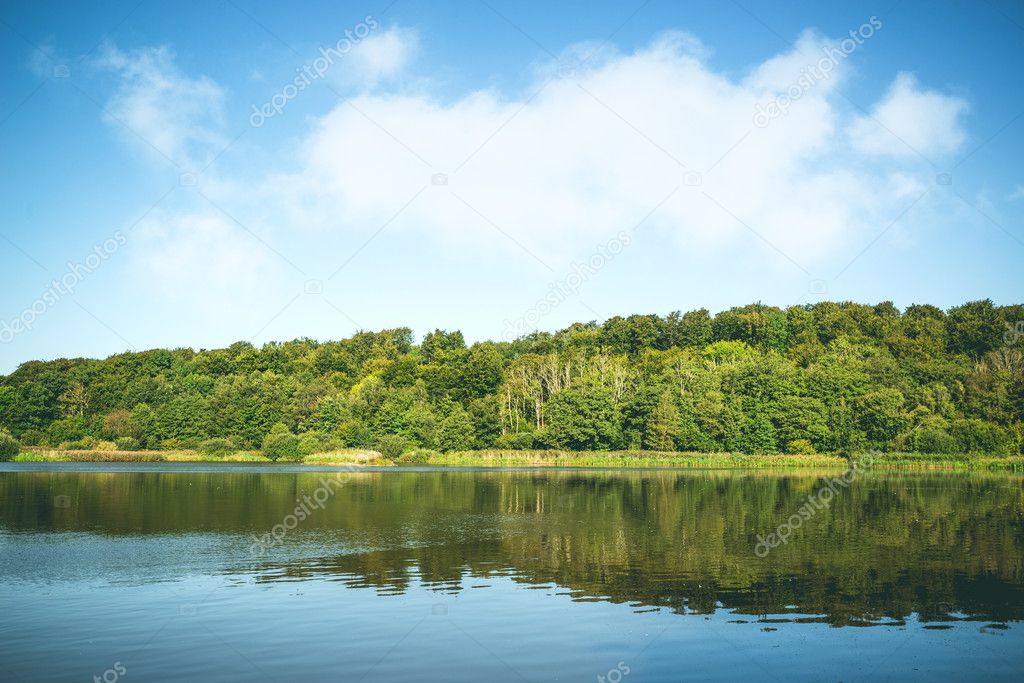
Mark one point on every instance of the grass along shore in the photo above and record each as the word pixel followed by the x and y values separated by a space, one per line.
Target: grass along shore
pixel 549 458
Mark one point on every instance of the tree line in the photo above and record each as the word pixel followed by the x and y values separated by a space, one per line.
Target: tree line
pixel 824 377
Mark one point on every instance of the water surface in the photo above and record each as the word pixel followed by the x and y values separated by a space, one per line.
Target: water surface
pixel 251 572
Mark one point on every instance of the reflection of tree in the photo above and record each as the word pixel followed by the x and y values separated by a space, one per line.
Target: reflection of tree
pixel 888 546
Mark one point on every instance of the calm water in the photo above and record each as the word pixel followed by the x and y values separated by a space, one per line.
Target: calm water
pixel 163 572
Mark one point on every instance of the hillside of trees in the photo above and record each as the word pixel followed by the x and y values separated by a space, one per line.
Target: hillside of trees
pixel 826 377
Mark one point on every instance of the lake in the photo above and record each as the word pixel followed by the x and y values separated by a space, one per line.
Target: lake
pixel 151 572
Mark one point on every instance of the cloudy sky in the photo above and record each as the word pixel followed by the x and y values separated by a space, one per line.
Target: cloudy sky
pixel 200 173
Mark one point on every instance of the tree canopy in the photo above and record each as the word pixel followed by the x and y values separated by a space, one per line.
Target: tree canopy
pixel 758 379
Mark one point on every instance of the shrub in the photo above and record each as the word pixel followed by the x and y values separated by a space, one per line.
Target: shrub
pixel 544 440
pixel 9 446
pixel 33 437
pixel 127 443
pixel 391 446
pixel 105 446
pixel 800 447
pixel 65 430
pixel 979 436
pixel 932 440
pixel 86 443
pixel 523 441
pixel 417 456
pixel 216 447
pixel 354 434
pixel 281 444
pixel 315 442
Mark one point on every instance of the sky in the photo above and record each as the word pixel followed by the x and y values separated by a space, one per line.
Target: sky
pixel 199 173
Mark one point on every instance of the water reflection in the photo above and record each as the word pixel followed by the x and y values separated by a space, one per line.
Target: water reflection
pixel 943 547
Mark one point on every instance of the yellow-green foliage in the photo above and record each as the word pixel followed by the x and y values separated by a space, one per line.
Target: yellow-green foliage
pixel 551 458
pixel 555 458
pixel 346 456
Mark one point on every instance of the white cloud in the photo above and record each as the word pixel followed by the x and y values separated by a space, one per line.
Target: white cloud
pixel 167 113
pixel 913 120
pixel 380 56
pixel 591 154
pixel 776 74
pixel 595 152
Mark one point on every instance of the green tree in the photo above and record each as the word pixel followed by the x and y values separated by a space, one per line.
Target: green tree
pixel 801 417
pixel 841 376
pixel 880 415
pixel 455 432
pixel 974 328
pixel 583 420
pixel 392 446
pixel 144 426
pixel 439 342
pixel 117 423
pixel 9 446
pixel 281 444
pixel 663 425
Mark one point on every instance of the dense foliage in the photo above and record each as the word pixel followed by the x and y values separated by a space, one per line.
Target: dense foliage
pixel 756 379
pixel 9 446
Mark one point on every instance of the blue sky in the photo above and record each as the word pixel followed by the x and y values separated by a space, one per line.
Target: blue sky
pixel 494 167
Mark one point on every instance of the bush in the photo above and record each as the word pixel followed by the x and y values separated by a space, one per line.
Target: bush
pixel 105 446
pixel 218 447
pixel 391 446
pixel 9 446
pixel 932 440
pixel 315 442
pixel 523 441
pixel 417 456
pixel 354 434
pixel 66 430
pixel 800 447
pixel 979 436
pixel 281 444
pixel 33 437
pixel 86 443
pixel 127 443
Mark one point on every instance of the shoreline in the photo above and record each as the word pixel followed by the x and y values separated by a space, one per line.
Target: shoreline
pixel 360 458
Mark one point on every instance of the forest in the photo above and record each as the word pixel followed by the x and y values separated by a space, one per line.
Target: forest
pixel 818 378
